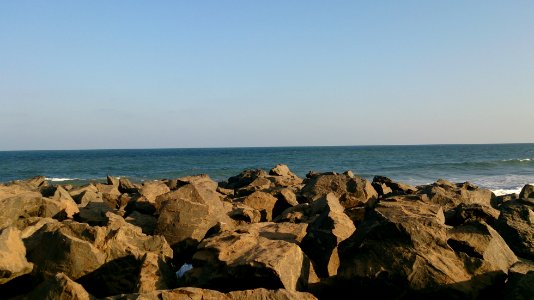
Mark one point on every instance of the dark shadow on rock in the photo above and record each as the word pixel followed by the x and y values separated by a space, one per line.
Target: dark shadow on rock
pixel 118 276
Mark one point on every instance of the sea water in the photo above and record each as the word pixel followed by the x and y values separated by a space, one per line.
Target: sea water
pixel 503 168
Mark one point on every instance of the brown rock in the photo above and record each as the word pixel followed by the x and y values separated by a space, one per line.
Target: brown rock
pixel 13 261
pixel 126 186
pixel 232 260
pixel 259 184
pixel 147 223
pixel 331 227
pixel 520 281
pixel 450 195
pixel 59 287
pixel 244 213
pixel 244 178
pixel 351 192
pixel 94 213
pixel 263 202
pixel 186 215
pixel 16 203
pixel 401 249
pixel 199 180
pixel 152 189
pixel 288 196
pixel 515 225
pixel 484 251
pixel 527 191
pixel 114 181
pixel 154 274
pixel 189 293
pixel 471 212
pixel 60 205
pixel 289 232
pixel 386 186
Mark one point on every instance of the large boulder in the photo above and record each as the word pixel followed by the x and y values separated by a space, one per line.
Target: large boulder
pixel 484 251
pixel 147 223
pixel 330 227
pixel 351 190
pixel 244 178
pixel 197 293
pixel 450 195
pixel 105 260
pixel 401 248
pixel 16 203
pixel 471 212
pixel 246 260
pixel 515 224
pixel 186 215
pixel 59 287
pixel 13 261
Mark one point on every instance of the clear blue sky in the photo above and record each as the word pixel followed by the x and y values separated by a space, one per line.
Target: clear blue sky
pixel 145 74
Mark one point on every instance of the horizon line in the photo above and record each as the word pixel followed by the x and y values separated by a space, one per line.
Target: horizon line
pixel 256 147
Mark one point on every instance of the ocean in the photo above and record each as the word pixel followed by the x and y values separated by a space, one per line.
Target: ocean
pixel 503 168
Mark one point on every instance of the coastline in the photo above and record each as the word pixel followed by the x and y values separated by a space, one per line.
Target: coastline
pixel 279 236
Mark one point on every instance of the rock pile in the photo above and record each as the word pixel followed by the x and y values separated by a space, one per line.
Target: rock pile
pixel 264 235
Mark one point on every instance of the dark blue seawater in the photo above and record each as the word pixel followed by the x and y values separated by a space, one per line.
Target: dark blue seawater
pixel 502 166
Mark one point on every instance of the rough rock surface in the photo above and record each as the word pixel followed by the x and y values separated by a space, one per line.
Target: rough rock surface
pixel 351 191
pixel 449 195
pixel 190 293
pixel 234 260
pixel 516 226
pixel 59 287
pixel 13 261
pixel 403 248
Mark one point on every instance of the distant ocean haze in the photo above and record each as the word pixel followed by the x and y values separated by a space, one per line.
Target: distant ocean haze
pixel 503 168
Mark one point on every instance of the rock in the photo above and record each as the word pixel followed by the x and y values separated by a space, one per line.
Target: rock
pixel 520 281
pixel 33 183
pixel 150 190
pixel 147 223
pixel 450 195
pixel 233 260
pixel 515 224
pixel 331 227
pixel 259 184
pixel 244 213
pixel 244 178
pixel 13 261
pixel 471 212
pixel 89 196
pixel 114 181
pixel 484 251
pixel 186 215
pixel 289 232
pixel 401 249
pixel 154 274
pixel 386 186
pixel 282 176
pixel 351 192
pixel 226 192
pixel 527 191
pixel 94 213
pixel 200 180
pixel 105 260
pixel 70 249
pixel 197 293
pixel 59 287
pixel 264 203
pixel 110 194
pixel 126 186
pixel 60 205
pixel 288 196
pixel 19 206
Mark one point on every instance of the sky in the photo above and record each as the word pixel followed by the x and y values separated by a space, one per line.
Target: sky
pixel 171 74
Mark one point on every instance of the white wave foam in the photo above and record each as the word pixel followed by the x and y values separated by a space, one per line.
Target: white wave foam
pixel 60 179
pixel 501 192
pixel 526 159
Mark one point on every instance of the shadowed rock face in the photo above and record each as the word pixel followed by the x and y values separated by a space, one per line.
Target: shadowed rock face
pixel 515 224
pixel 59 286
pixel 449 195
